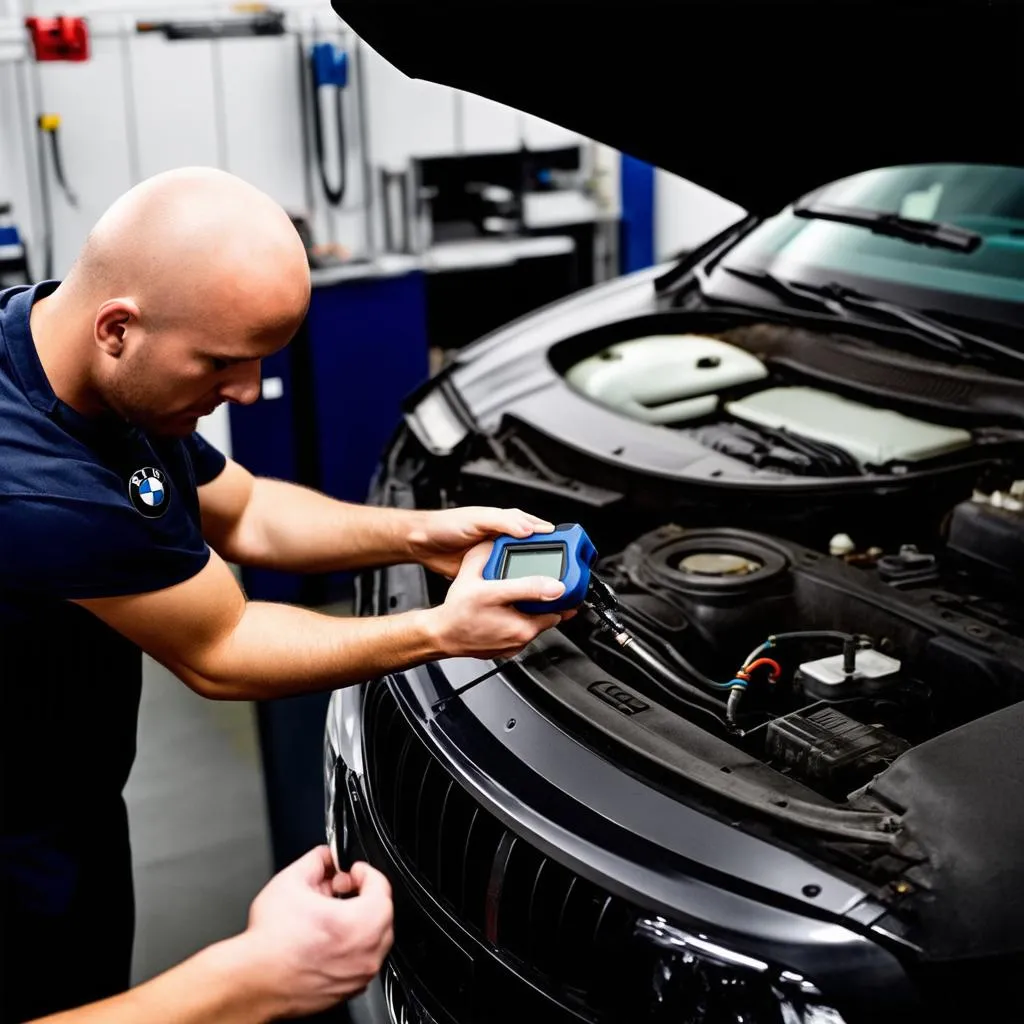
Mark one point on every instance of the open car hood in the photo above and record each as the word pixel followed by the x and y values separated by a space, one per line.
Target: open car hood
pixel 759 104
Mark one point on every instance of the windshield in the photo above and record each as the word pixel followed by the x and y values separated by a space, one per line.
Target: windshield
pixel 987 284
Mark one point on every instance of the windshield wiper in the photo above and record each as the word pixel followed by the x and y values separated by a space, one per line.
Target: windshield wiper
pixel 922 232
pixel 842 301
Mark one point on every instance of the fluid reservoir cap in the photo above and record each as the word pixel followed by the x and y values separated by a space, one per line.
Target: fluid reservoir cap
pixel 841 544
pixel 718 563
pixel 825 679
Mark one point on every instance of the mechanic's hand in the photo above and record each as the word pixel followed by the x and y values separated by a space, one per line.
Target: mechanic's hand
pixel 311 950
pixel 477 618
pixel 443 537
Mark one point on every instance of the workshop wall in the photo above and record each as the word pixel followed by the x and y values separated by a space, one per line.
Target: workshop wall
pixel 686 214
pixel 143 104
pixel 13 177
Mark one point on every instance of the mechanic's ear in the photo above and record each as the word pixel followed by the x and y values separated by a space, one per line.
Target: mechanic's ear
pixel 113 319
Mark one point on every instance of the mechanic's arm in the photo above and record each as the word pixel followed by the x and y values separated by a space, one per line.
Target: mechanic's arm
pixel 273 524
pixel 226 648
pixel 209 986
pixel 303 951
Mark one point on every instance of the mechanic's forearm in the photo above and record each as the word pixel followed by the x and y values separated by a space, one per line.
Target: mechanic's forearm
pixel 294 529
pixel 217 984
pixel 281 650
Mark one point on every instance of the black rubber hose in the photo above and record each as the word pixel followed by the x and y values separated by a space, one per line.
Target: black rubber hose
pixel 335 196
pixel 695 700
pixel 58 168
pixel 850 642
pixel 643 654
pixel 814 634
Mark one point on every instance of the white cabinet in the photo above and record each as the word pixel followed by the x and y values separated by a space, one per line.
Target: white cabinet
pixel 175 110
pixel 407 117
pixel 486 126
pixel 541 134
pixel 90 99
pixel 262 119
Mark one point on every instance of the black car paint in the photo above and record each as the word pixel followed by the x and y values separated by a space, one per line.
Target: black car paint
pixel 513 379
pixel 519 382
pixel 751 892
pixel 628 837
pixel 767 56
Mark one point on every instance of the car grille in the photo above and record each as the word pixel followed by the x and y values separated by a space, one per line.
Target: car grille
pixel 547 922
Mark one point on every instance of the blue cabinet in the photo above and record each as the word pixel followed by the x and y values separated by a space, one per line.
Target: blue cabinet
pixel 264 439
pixel 330 402
pixel 369 340
pixel 332 399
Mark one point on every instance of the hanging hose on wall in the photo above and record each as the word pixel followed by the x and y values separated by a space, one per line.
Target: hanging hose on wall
pixel 49 124
pixel 329 67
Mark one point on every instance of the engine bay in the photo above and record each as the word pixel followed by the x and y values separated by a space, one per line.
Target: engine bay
pixel 816 543
pixel 858 652
pixel 855 656
pixel 741 393
pixel 815 539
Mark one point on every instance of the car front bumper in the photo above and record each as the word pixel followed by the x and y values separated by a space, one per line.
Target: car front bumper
pixel 495 924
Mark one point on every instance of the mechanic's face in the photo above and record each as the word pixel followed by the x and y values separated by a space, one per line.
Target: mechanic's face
pixel 166 384
pixel 166 379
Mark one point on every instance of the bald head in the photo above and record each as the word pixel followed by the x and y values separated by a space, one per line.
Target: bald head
pixel 188 241
pixel 182 287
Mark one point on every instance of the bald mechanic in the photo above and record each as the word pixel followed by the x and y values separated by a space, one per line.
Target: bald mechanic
pixel 117 522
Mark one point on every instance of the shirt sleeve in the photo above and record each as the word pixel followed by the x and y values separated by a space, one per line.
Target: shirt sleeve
pixel 207 461
pixel 71 547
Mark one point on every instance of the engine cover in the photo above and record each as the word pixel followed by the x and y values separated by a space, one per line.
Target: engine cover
pixel 831 748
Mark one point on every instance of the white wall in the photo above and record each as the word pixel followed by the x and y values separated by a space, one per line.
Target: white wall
pixel 686 214
pixel 142 104
pixel 411 118
pixel 14 176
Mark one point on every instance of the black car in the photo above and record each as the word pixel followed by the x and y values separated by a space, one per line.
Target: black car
pixel 805 441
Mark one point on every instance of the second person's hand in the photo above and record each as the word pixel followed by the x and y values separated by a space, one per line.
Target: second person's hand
pixel 478 619
pixel 306 950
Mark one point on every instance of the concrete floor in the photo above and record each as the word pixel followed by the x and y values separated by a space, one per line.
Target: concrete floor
pixel 198 818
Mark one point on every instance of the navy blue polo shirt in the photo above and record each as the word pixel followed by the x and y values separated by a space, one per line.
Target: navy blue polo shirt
pixel 89 507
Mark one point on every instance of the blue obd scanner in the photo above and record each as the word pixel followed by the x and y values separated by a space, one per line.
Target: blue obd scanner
pixel 566 555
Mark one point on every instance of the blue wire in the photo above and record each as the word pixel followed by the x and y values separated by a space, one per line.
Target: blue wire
pixel 733 684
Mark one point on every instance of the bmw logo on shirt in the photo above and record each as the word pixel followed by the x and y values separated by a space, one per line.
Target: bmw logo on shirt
pixel 149 491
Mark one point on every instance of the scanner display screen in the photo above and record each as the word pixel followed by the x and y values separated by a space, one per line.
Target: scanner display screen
pixel 546 561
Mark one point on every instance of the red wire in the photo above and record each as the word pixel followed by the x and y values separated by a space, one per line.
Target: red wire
pixel 775 672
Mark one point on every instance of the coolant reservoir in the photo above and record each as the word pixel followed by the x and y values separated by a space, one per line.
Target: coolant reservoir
pixel 668 378
pixel 871 435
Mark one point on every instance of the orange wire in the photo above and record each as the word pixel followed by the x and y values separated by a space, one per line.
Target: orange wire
pixel 775 672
